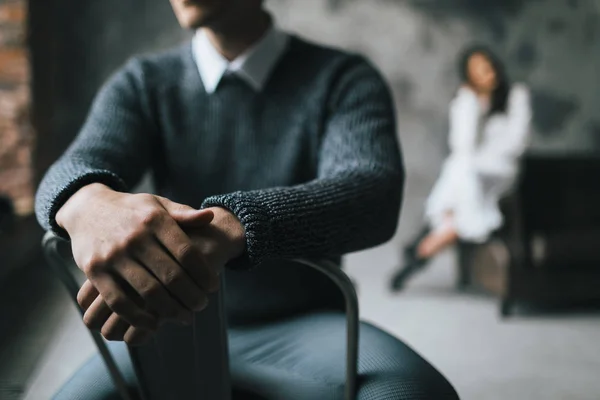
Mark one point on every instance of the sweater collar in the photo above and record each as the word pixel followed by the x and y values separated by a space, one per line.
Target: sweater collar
pixel 253 66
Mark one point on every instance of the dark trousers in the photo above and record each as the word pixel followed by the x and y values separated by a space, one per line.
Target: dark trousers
pixel 300 358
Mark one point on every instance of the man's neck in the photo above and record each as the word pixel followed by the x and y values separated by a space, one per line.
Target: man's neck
pixel 234 37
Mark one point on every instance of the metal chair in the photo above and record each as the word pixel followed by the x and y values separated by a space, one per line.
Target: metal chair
pixel 204 372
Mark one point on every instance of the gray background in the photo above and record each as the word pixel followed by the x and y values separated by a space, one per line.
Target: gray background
pixel 553 45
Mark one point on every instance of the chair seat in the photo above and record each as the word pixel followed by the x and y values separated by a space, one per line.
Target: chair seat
pixel 297 359
pixel 302 358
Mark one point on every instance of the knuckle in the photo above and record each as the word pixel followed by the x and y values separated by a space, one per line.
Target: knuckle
pixel 145 197
pixel 186 253
pixel 110 334
pixel 150 291
pixel 132 238
pixel 200 303
pixel 144 320
pixel 92 264
pixel 172 276
pixel 116 303
pixel 151 216
pixel 96 263
pixel 132 341
pixel 90 322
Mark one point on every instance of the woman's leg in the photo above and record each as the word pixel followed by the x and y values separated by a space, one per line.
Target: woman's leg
pixel 440 238
pixel 427 245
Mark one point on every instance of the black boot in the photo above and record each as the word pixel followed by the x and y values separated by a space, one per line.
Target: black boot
pixel 412 261
pixel 410 251
pixel 400 278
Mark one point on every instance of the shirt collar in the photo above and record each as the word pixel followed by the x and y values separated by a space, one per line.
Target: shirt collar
pixel 253 66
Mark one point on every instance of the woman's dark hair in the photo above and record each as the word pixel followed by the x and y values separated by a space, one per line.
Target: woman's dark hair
pixel 500 95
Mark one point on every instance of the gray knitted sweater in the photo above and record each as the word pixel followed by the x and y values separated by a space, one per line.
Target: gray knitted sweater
pixel 310 165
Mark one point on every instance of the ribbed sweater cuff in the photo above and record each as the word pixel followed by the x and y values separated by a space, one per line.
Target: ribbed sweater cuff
pixel 98 176
pixel 256 221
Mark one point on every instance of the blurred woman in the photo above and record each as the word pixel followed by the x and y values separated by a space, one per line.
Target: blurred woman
pixel 489 131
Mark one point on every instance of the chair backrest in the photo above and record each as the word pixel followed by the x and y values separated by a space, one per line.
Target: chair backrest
pixel 560 192
pixel 180 363
pixel 187 362
pixel 559 200
pixel 193 362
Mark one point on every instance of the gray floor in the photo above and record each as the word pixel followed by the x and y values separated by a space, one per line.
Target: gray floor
pixel 553 357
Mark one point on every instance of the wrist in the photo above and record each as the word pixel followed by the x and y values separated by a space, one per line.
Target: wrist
pixel 233 229
pixel 79 202
pixel 238 239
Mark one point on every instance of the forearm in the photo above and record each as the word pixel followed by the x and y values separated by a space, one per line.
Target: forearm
pixel 112 148
pixel 70 212
pixel 354 201
pixel 464 124
pixel 329 216
pixel 519 122
pixel 64 179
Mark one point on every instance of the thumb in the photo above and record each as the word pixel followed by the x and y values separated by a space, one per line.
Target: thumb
pixel 196 218
pixel 186 215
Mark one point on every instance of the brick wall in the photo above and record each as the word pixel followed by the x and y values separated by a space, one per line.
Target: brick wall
pixel 16 135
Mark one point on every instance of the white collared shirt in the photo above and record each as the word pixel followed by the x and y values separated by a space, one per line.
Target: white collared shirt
pixel 254 65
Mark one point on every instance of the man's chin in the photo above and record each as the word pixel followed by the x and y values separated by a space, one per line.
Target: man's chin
pixel 192 24
pixel 194 16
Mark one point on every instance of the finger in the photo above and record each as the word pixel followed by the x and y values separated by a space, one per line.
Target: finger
pixel 122 299
pixel 114 328
pixel 154 296
pixel 198 219
pixel 187 255
pixel 172 276
pixel 185 214
pixel 86 295
pixel 97 314
pixel 137 336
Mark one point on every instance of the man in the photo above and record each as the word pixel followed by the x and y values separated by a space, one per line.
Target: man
pixel 263 147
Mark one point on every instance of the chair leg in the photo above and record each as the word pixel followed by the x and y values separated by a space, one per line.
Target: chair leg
pixel 464 261
pixel 53 257
pixel 463 280
pixel 505 308
pixel 113 369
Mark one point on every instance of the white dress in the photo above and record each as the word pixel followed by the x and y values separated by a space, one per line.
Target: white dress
pixel 482 165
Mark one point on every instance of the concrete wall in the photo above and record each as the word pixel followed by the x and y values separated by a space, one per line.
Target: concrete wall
pixel 75 45
pixel 554 45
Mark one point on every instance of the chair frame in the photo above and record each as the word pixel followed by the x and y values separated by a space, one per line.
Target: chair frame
pixel 51 243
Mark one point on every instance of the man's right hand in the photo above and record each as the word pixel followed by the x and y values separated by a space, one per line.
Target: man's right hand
pixel 144 266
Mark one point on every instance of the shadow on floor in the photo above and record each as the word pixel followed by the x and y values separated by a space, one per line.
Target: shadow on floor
pixel 29 317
